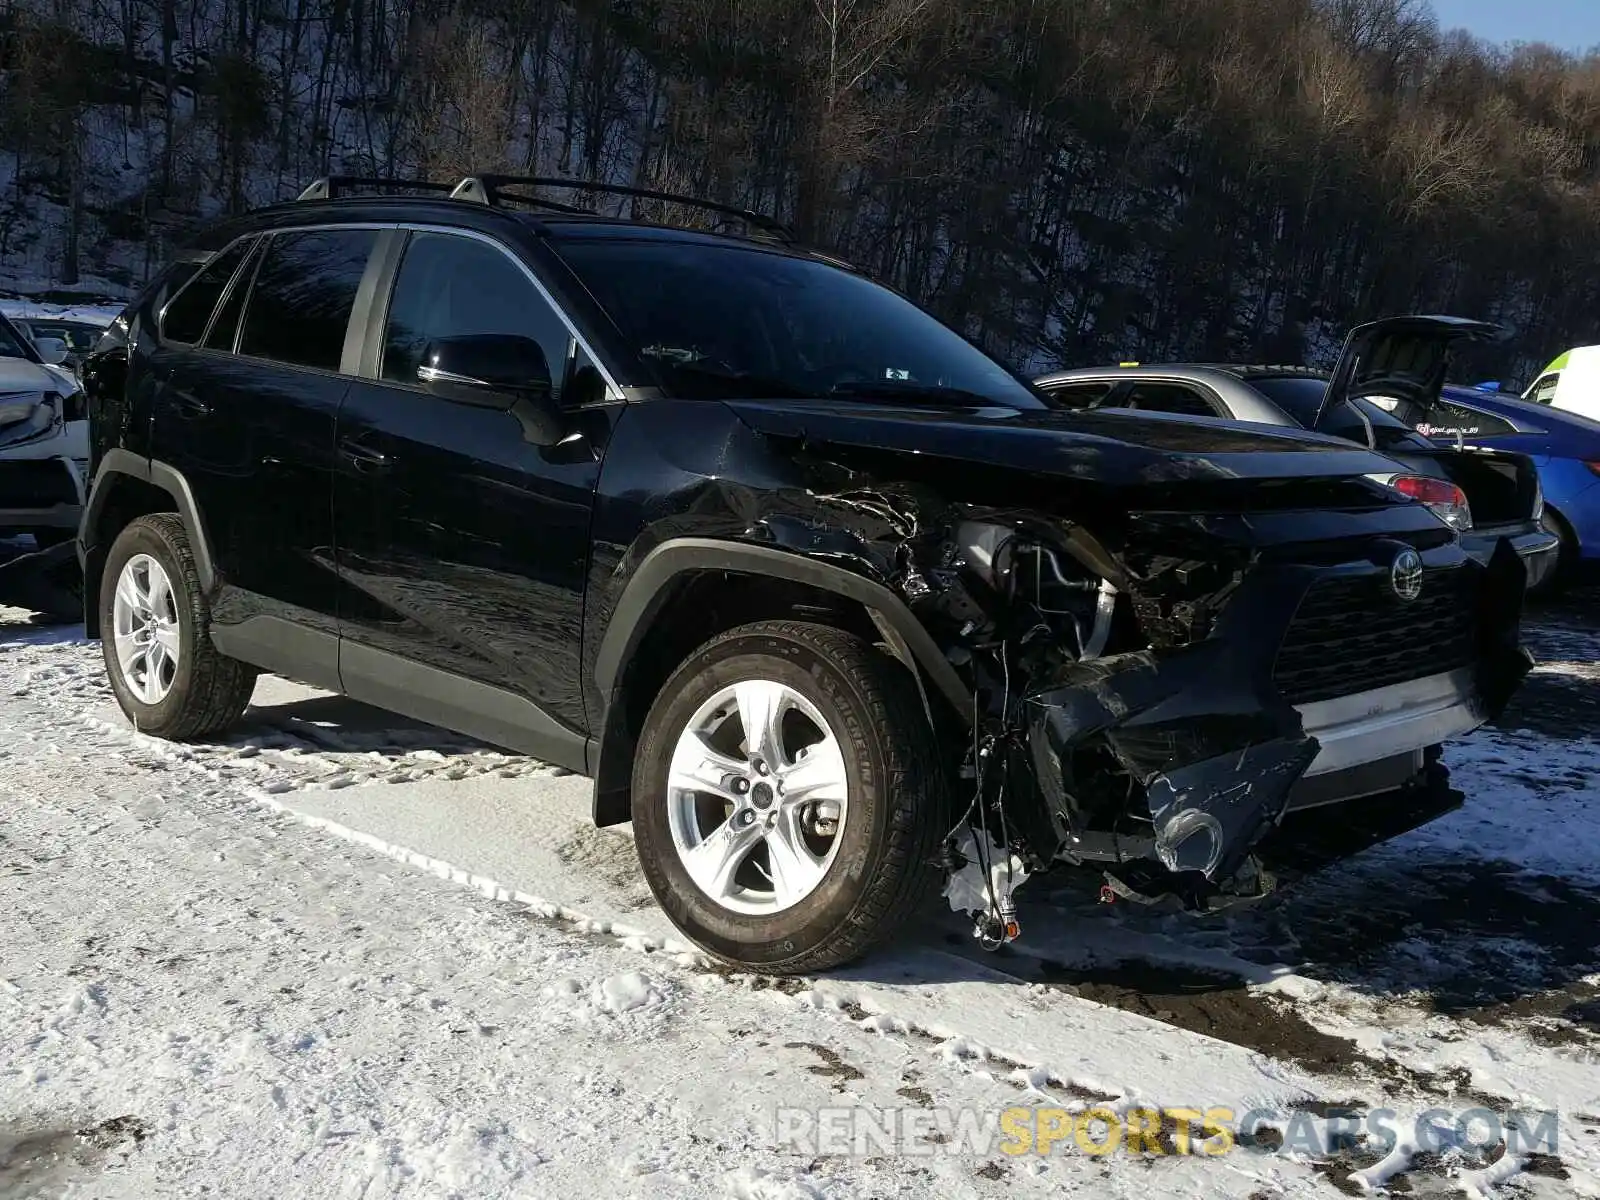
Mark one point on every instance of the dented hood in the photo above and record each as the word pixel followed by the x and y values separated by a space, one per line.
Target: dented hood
pixel 1107 446
pixel 1403 357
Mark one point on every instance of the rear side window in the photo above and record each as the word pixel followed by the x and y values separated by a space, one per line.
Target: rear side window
pixel 190 310
pixel 304 291
pixel 1078 395
pixel 1168 398
pixel 225 328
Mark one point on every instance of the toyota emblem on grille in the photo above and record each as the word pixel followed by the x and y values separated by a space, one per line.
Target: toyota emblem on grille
pixel 1405 574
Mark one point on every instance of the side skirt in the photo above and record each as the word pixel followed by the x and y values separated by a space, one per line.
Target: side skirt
pixel 396 684
pixel 470 708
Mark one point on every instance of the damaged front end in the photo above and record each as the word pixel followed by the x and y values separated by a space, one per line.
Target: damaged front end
pixel 1199 658
pixel 1197 708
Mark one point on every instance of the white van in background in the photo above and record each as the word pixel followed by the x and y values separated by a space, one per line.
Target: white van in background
pixel 1571 382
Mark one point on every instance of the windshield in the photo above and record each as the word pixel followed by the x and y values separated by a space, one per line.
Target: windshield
pixel 12 343
pixel 726 322
pixel 1544 391
pixel 80 339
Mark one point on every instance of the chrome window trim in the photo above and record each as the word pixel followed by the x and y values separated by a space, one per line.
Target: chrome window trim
pixel 243 277
pixel 615 390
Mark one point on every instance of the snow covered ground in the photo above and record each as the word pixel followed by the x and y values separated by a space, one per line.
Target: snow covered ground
pixel 339 954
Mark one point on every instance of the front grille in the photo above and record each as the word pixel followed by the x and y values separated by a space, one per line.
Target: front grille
pixel 36 483
pixel 1353 634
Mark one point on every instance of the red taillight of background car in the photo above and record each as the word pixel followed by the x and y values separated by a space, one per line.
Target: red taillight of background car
pixel 1445 499
pixel 1593 466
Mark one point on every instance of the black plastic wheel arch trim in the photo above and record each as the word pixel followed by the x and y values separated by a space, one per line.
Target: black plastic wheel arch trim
pixel 119 463
pixel 648 587
pixel 610 757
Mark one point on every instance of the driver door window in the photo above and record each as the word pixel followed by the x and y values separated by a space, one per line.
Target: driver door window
pixel 452 287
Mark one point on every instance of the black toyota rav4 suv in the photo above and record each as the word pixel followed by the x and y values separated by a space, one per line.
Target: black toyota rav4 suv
pixel 831 605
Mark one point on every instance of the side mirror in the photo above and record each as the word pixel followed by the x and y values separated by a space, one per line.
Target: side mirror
pixel 52 350
pixel 105 372
pixel 496 370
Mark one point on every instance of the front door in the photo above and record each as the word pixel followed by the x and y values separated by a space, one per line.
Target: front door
pixel 463 545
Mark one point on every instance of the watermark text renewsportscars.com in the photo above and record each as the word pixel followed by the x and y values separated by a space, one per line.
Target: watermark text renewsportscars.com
pixel 1019 1130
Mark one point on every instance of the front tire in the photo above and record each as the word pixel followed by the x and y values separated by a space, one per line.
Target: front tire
pixel 797 848
pixel 155 636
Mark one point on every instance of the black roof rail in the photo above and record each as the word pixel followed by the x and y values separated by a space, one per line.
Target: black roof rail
pixel 331 187
pixel 489 189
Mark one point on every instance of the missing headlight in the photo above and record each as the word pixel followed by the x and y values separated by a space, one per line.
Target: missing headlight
pixel 1051 586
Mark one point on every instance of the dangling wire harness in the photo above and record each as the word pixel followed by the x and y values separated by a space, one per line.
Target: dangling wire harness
pixel 994 905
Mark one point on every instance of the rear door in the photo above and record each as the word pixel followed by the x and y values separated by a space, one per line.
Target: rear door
pixel 465 545
pixel 250 378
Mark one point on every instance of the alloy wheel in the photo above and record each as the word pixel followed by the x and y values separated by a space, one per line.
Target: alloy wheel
pixel 757 797
pixel 145 616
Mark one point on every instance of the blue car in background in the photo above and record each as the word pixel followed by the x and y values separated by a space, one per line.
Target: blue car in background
pixel 1563 445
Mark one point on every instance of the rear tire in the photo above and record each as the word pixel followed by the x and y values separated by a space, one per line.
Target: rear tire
pixel 168 677
pixel 1566 567
pixel 888 786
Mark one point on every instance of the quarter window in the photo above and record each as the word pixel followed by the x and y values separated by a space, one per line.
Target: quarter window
pixel 225 327
pixel 304 291
pixel 186 317
pixel 1544 392
pixel 454 287
pixel 1444 419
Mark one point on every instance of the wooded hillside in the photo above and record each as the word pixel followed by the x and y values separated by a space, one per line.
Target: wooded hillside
pixel 1074 180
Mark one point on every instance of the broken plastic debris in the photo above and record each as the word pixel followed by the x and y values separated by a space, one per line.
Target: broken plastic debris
pixel 988 897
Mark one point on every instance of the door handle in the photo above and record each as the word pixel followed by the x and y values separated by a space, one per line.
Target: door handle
pixel 363 457
pixel 189 405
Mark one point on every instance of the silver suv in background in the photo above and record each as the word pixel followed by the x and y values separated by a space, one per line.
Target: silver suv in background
pixel 44 439
pixel 76 334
